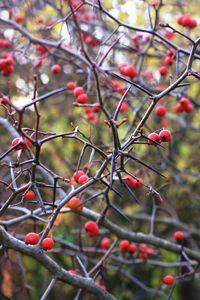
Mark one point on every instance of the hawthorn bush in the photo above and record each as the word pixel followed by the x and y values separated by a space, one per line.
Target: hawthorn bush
pixel 99 129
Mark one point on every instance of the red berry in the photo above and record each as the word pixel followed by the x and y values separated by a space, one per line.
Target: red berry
pixel 168 279
pixel 134 183
pixel 180 20
pixel 192 23
pixel 153 137
pixel 47 244
pixel 138 183
pixel 29 195
pixel 179 235
pixel 160 111
pixel 78 91
pixel 164 123
pixel 148 74
pixel 132 248
pixel 88 110
pixel 169 35
pixel 144 256
pixel 184 101
pixel 25 143
pixel 168 60
pixel 165 135
pixel 186 21
pixel 122 67
pixel 88 16
pixel 90 40
pixel 92 228
pixel 75 204
pixel 71 85
pixel 124 245
pixel 96 107
pixel 130 71
pixel 145 251
pixel 130 181
pixel 116 85
pixel 32 238
pixel 189 108
pixel 83 179
pixel 78 174
pixel 171 52
pixel 83 98
pixel 123 107
pixel 150 251
pixel 19 19
pixel 91 117
pixel 179 108
pixel 55 69
pixel 163 71
pixel 105 243
pixel 39 20
pixel 41 49
pixel 143 247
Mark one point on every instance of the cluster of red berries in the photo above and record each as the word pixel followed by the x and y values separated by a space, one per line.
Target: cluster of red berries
pixel 187 21
pixel 144 251
pixel 184 104
pixel 133 182
pixel 91 228
pixel 75 204
pixel 81 13
pixel 119 88
pixel 82 98
pixel 23 143
pixel 32 238
pixel 80 177
pixel 155 138
pixel 126 246
pixel 136 39
pixel 116 85
pixel 90 40
pixel 41 49
pixel 128 70
pixel 7 64
pixel 91 111
pixel 169 59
